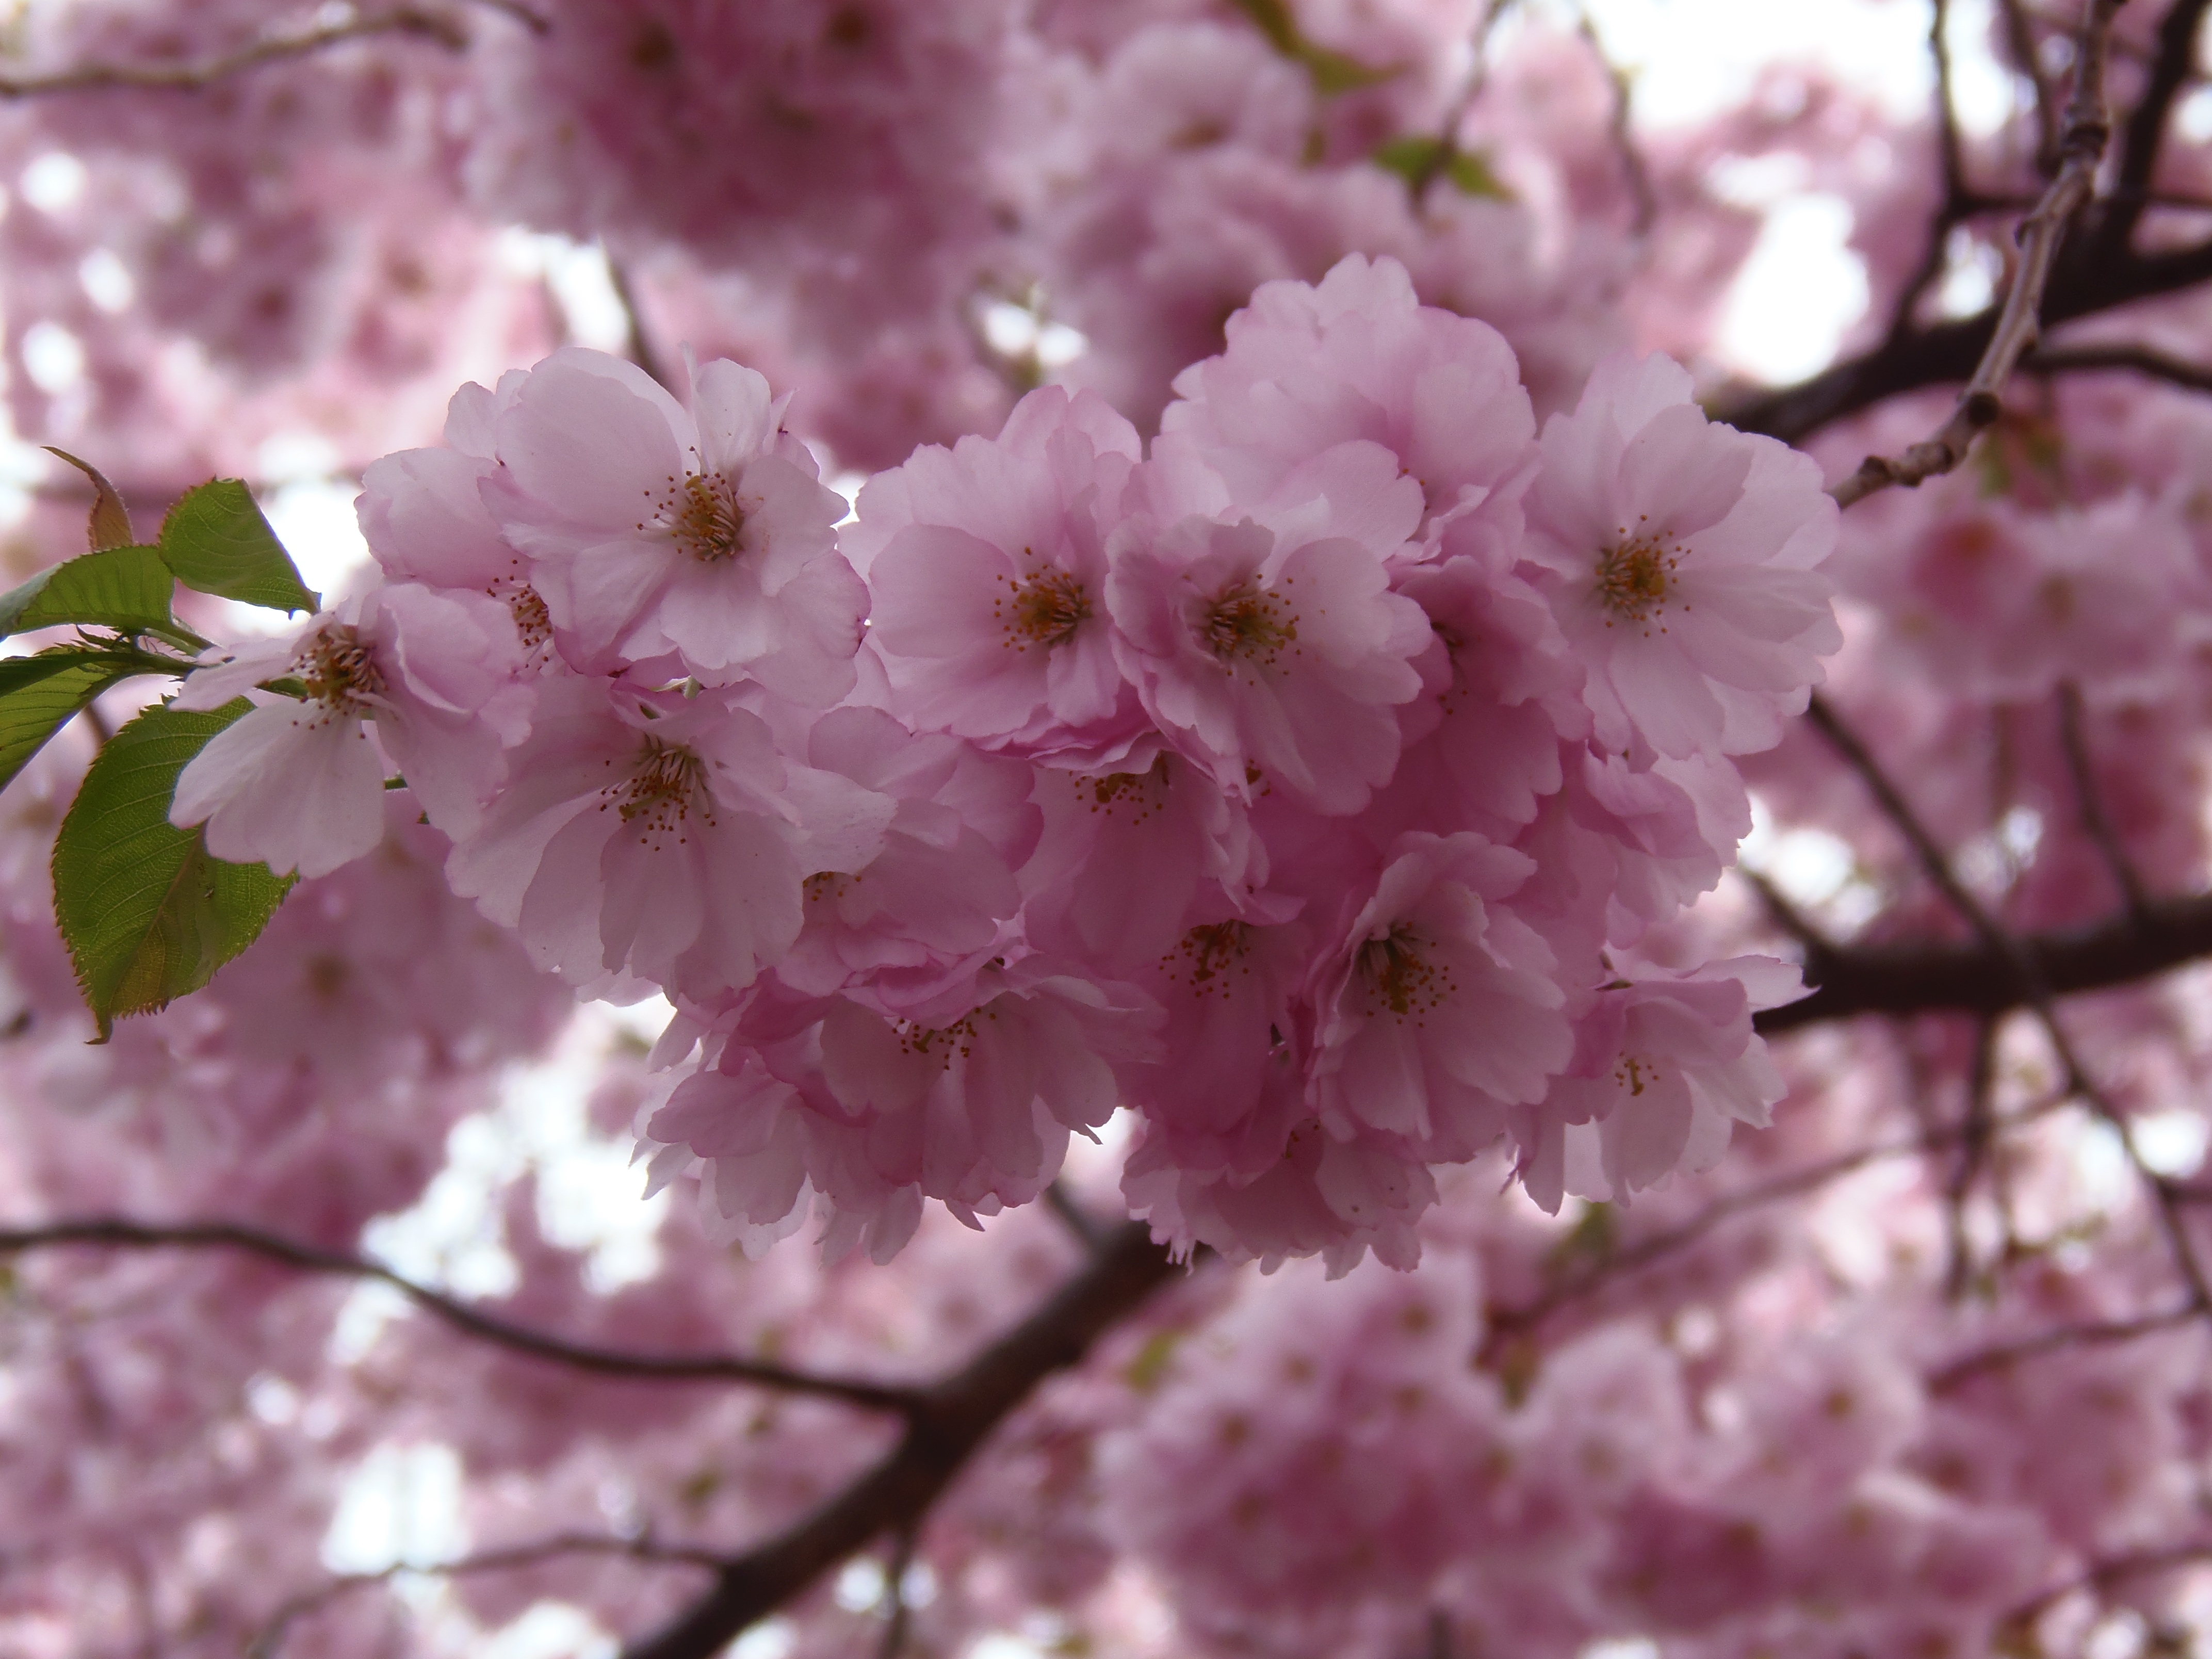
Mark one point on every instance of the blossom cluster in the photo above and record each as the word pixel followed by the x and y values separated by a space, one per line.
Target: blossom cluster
pixel 1305 785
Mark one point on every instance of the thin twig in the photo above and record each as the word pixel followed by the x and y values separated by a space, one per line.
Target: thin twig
pixel 2113 1570
pixel 1817 946
pixel 1074 1217
pixel 513 1559
pixel 2136 359
pixel 1976 1134
pixel 2173 62
pixel 1632 1257
pixel 2041 233
pixel 2019 40
pixel 192 74
pixel 113 1233
pixel 956 1416
pixel 2028 974
pixel 2089 799
pixel 1635 172
pixel 638 342
pixel 896 1613
pixel 1957 203
pixel 2094 1334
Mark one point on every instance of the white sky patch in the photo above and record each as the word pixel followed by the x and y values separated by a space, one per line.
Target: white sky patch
pixel 52 357
pixel 2170 1144
pixel 55 182
pixel 589 1196
pixel 581 282
pixel 1693 57
pixel 1800 289
pixel 401 1507
pixel 107 281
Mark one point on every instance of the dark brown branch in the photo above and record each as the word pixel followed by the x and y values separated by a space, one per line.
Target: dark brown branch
pixel 1923 977
pixel 1635 172
pixel 2019 41
pixel 954 1418
pixel 2085 283
pixel 2041 233
pixel 2036 992
pixel 112 1233
pixel 1638 1254
pixel 639 343
pixel 515 1558
pixel 2130 359
pixel 2172 62
pixel 1087 1229
pixel 1977 1133
pixel 1959 202
pixel 2090 801
pixel 192 74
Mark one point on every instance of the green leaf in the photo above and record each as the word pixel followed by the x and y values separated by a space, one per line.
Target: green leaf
pixel 39 695
pixel 146 912
pixel 217 542
pixel 124 588
pixel 1332 72
pixel 109 525
pixel 1420 158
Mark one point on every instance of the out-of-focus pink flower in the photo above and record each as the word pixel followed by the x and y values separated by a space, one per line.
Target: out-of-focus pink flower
pixel 1666 1065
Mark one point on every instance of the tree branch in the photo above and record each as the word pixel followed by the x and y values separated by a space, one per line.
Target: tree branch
pixel 955 1417
pixel 114 1233
pixel 2090 802
pixel 2173 60
pixel 2041 233
pixel 192 74
pixel 2019 41
pixel 1926 978
pixel 2037 994
pixel 515 1558
pixel 2091 1335
pixel 2134 359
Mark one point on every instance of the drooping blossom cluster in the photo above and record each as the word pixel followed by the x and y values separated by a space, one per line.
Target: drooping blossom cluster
pixel 1305 785
pixel 1300 746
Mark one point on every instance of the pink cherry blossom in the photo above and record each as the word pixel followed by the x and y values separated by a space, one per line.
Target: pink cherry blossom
pixel 1273 657
pixel 988 568
pixel 296 782
pixel 656 838
pixel 695 538
pixel 1665 1066
pixel 1435 1008
pixel 1682 553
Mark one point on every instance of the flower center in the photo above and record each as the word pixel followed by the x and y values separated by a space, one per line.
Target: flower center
pixel 659 796
pixel 1140 795
pixel 532 621
pixel 941 1042
pixel 1398 975
pixel 1635 575
pixel 1205 955
pixel 338 671
pixel 1044 610
pixel 703 516
pixel 1635 1073
pixel 1247 623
